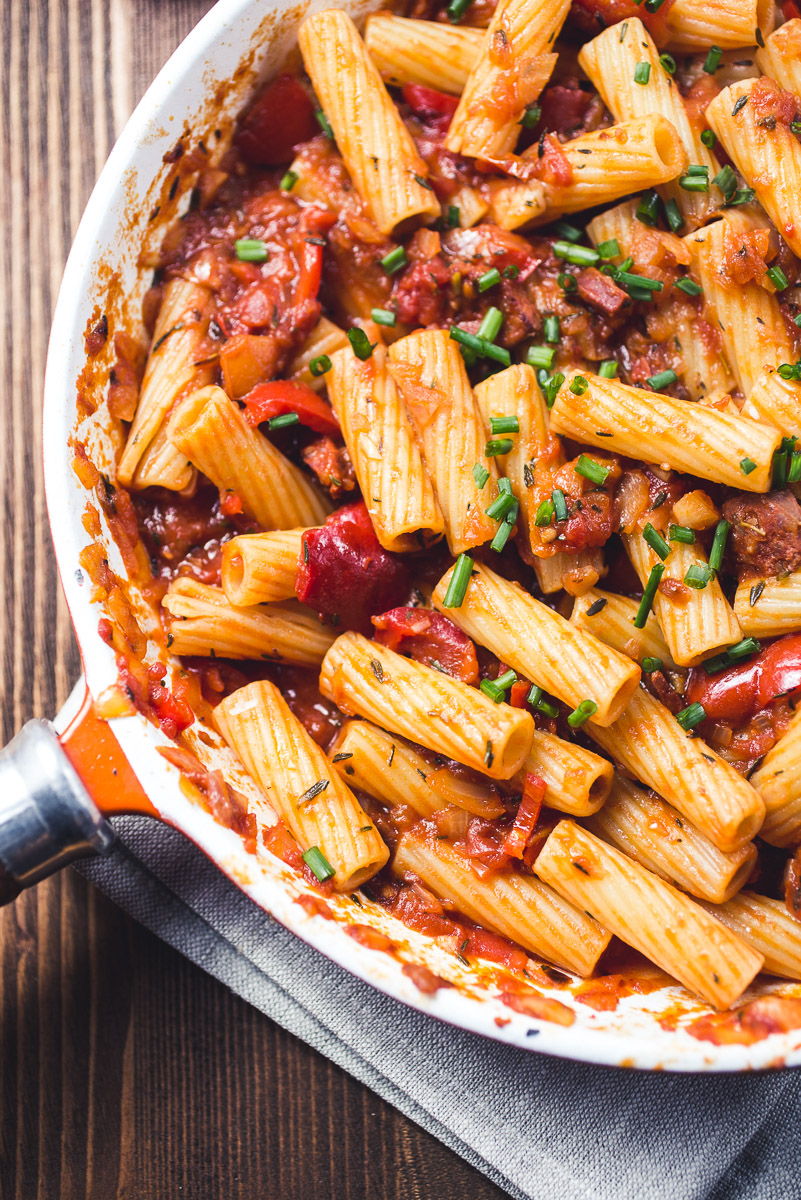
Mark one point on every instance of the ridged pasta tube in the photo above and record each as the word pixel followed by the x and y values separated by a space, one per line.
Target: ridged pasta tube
pixel 261 567
pixel 318 808
pixel 422 52
pixel 769 607
pixel 766 925
pixel 323 341
pixel 778 781
pixel 613 623
pixel 780 57
pixel 725 23
pixel 576 780
pixel 776 401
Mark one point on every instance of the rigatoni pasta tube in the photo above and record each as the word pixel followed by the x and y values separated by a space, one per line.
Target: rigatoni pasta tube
pixel 776 401
pixel 430 373
pixel 769 607
pixel 424 705
pixel 648 830
pixel 697 621
pixel 394 482
pixel 778 781
pixel 213 434
pixel 749 318
pixel 318 808
pixel 725 23
pixel 261 567
pixel 674 433
pixel 171 372
pixel 611 618
pixel 516 906
pixel 611 60
pixel 645 912
pixel 510 72
pixel 766 153
pixel 389 174
pixel 649 742
pixel 204 623
pixel 780 57
pixel 766 925
pixel 576 780
pixel 422 52
pixel 323 342
pixel 539 644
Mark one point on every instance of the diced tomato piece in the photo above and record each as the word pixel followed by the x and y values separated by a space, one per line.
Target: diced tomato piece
pixel 281 118
pixel 527 816
pixel 281 396
pixel 344 572
pixel 246 359
pixel 430 638
pixel 737 694
pixel 433 108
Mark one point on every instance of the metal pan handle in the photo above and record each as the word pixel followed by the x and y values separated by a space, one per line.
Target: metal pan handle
pixel 47 818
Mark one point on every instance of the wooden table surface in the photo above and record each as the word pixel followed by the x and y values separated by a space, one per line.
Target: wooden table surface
pixel 125 1071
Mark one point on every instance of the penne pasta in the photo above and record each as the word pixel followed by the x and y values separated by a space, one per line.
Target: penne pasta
pixel 653 834
pixel 696 622
pixel 204 623
pixel 649 743
pixel 613 61
pixel 213 434
pixel 769 607
pixel 516 906
pixel 780 57
pixel 389 174
pixel 422 52
pixel 366 679
pixel 764 149
pixel 778 781
pixel 430 374
pixel 318 808
pixel 173 370
pixel 676 434
pixel 395 484
pixel 323 342
pixel 766 925
pixel 611 618
pixel 645 912
pixel 576 780
pixel 261 567
pixel 725 23
pixel 542 646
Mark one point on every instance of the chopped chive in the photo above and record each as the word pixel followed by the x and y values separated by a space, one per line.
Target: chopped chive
pixel 531 116
pixel 726 180
pixel 689 287
pixel 741 196
pixel 581 715
pixel 498 446
pixel 709 139
pixel 662 380
pixel 578 256
pixel 559 504
pixel 318 864
pixel 490 325
pixel 780 469
pixel 696 179
pixel 657 571
pixel 642 72
pixel 501 506
pixel 540 357
pixel 551 329
pixel 653 6
pixel 504 425
pixel 648 208
pixel 457 588
pixel 250 250
pixel 283 420
pixel 680 533
pixel 456 10
pixel 650 665
pixel 641 281
pixel 567 281
pixel 544 514
pixel 698 576
pixel 794 470
pixel 480 475
pixel 691 716
pixel 501 537
pixel 536 697
pixel 454 216
pixel 322 121
pixel 394 261
pixel 491 689
pixel 498 353
pixel 505 485
pixel 713 60
pixel 511 272
pixel 734 654
pixel 608 369
pixel 470 340
pixel 579 385
pixel 667 60
pixel 592 470
pixel 789 370
pixel 382 316
pixel 756 592
pixel 655 540
pixel 360 344
pixel 550 387
pixel 673 216
pixel 489 280
pixel 288 181
pixel 571 233
pixel 320 365
pixel 777 277
pixel 609 249
pixel 505 681
pixel 747 465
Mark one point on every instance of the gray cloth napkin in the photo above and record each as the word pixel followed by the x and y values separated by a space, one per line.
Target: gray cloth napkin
pixel 538 1127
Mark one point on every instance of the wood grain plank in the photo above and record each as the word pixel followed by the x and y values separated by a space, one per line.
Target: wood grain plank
pixel 125 1072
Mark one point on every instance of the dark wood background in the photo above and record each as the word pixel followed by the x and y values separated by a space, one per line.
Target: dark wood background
pixel 125 1071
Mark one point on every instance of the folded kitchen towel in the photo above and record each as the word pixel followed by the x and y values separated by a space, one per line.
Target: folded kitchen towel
pixel 538 1127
